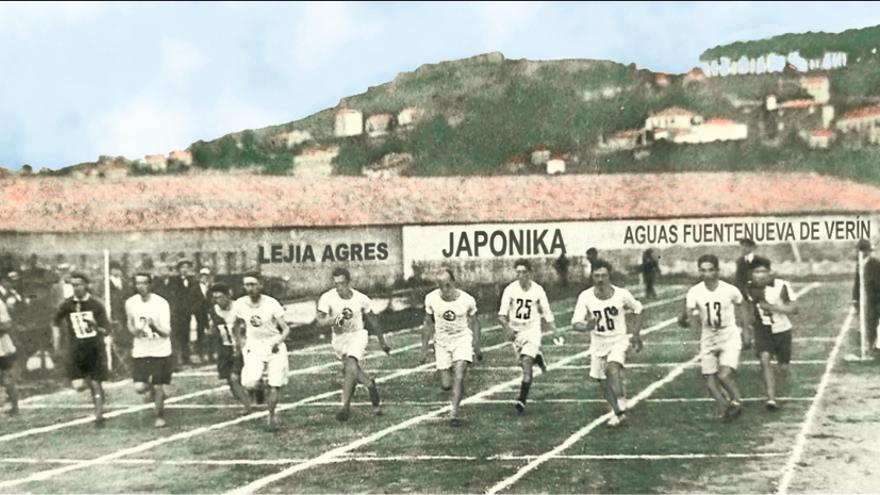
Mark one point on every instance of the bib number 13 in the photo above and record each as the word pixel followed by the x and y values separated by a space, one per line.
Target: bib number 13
pixel 716 309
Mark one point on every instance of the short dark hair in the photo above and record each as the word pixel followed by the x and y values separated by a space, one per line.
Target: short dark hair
pixel 220 288
pixel 184 262
pixel 342 272
pixel 601 264
pixel 253 274
pixel 143 274
pixel 448 271
pixel 746 241
pixel 116 265
pixel 592 251
pixel 523 263
pixel 80 275
pixel 761 262
pixel 708 258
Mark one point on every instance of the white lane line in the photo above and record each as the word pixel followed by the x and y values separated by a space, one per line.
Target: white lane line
pixel 345 449
pixel 135 409
pixel 652 457
pixel 578 435
pixel 88 419
pixel 427 403
pixel 568 367
pixel 801 439
pixel 42 475
pixel 47 474
pixel 574 438
pixel 366 457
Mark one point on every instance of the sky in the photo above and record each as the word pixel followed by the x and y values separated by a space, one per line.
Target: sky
pixel 79 80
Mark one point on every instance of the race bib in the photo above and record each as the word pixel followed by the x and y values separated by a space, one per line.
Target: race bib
pixel 83 324
pixel 146 329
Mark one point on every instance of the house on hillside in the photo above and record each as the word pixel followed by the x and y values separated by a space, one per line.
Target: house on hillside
pixel 515 163
pixel 409 117
pixel 818 87
pixel 694 76
pixel 540 156
pixel 290 139
pixel 184 157
pixel 626 139
pixel 156 162
pixel 390 166
pixel 661 80
pixel 378 125
pixel 672 118
pixel 316 161
pixel 860 120
pixel 556 165
pixel 712 130
pixel 349 122
pixel 818 138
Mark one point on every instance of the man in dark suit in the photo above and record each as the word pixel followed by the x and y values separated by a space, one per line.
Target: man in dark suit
pixel 204 343
pixel 185 302
pixel 872 292
pixel 745 264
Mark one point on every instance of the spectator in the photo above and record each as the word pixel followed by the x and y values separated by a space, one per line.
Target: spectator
pixel 592 256
pixel 871 304
pixel 204 345
pixel 185 302
pixel 650 269
pixel 561 267
pixel 120 290
pixel 10 292
pixel 8 368
pixel 745 264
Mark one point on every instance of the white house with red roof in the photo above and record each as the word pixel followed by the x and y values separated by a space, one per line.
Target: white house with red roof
pixel 819 87
pixel 712 130
pixel 818 138
pixel 409 116
pixel 860 119
pixel 349 122
pixel 378 125
pixel 315 161
pixel 672 118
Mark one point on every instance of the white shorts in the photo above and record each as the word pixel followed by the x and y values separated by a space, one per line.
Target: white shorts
pixel 260 358
pixel 720 353
pixel 352 344
pixel 458 349
pixel 527 342
pixel 604 350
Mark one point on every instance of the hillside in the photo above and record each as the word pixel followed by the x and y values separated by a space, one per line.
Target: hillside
pixel 491 115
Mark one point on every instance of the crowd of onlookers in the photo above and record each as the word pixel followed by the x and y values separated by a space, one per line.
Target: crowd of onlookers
pixel 33 294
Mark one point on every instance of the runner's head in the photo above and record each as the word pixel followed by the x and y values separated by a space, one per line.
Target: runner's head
pixel 446 283
pixel 523 270
pixel 142 283
pixel 761 271
pixel 708 266
pixel 253 284
pixel 601 273
pixel 80 283
pixel 220 294
pixel 342 281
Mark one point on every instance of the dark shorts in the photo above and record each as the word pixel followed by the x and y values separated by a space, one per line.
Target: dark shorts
pixel 778 344
pixel 7 362
pixel 87 361
pixel 155 370
pixel 227 363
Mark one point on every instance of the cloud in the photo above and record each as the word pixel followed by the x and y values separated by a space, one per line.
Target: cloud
pixel 29 18
pixel 501 21
pixel 180 59
pixel 146 124
pixel 324 29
